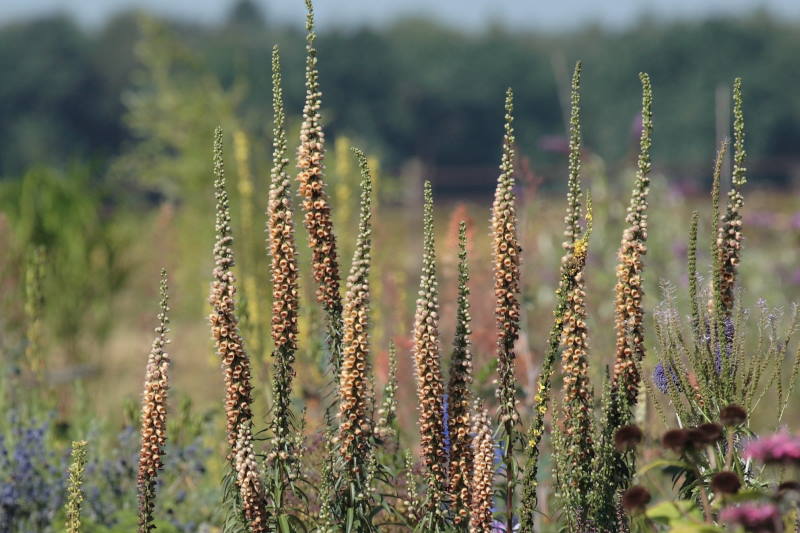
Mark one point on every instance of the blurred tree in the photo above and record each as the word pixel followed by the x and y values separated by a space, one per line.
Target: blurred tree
pixel 246 14
pixel 54 102
pixel 413 89
pixel 61 214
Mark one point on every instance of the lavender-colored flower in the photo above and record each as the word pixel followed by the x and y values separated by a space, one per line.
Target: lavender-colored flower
pixel 501 527
pixel 758 517
pixel 779 448
pixel 728 333
pixel 31 476
pixel 795 223
pixel 446 424
pixel 660 379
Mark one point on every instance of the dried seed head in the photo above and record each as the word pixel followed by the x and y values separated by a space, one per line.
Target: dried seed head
pixel 627 438
pixel 725 483
pixel 732 415
pixel 676 440
pixel 635 499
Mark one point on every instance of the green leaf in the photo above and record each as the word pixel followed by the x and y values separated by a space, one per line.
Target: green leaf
pixel 663 463
pixel 694 527
pixel 669 512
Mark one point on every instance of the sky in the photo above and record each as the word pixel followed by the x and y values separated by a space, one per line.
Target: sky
pixel 472 14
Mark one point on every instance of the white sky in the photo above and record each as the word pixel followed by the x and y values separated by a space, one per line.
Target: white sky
pixel 466 13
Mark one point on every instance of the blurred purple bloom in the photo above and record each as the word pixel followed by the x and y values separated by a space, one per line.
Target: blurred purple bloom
pixel 761 219
pixel 636 126
pixel 446 425
pixel 795 223
pixel 500 527
pixel 779 448
pixel 760 517
pixel 554 143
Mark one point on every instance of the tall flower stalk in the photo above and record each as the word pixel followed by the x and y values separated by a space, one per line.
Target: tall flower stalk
pixel 75 493
pixel 481 481
pixel 154 415
pixel 316 205
pixel 282 459
pixel 386 425
pixel 34 311
pixel 355 436
pixel 571 272
pixel 613 469
pixel 235 362
pixel 459 395
pixel 574 446
pixel 729 233
pixel 430 388
pixel 506 256
pixel 629 289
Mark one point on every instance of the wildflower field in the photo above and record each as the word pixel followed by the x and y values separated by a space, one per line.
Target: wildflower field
pixel 298 341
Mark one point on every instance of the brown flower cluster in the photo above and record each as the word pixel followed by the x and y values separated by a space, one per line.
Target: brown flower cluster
pixel 310 162
pixel 482 489
pixel 729 236
pixel 576 450
pixel 283 250
pixel 355 391
pixel 459 393
pixel 506 253
pixel 629 290
pixel 154 416
pixel 575 367
pixel 285 294
pixel 235 362
pixel 427 361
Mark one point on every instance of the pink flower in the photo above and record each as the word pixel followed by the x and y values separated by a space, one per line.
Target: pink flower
pixel 779 448
pixel 756 517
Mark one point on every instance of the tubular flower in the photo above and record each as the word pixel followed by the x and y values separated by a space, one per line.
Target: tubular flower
pixel 355 429
pixel 154 416
pixel 75 493
pixel 282 457
pixel 480 517
pixel 235 362
pixel 459 393
pixel 716 303
pixel 427 365
pixel 729 236
pixel 572 264
pixel 629 290
pixel 316 206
